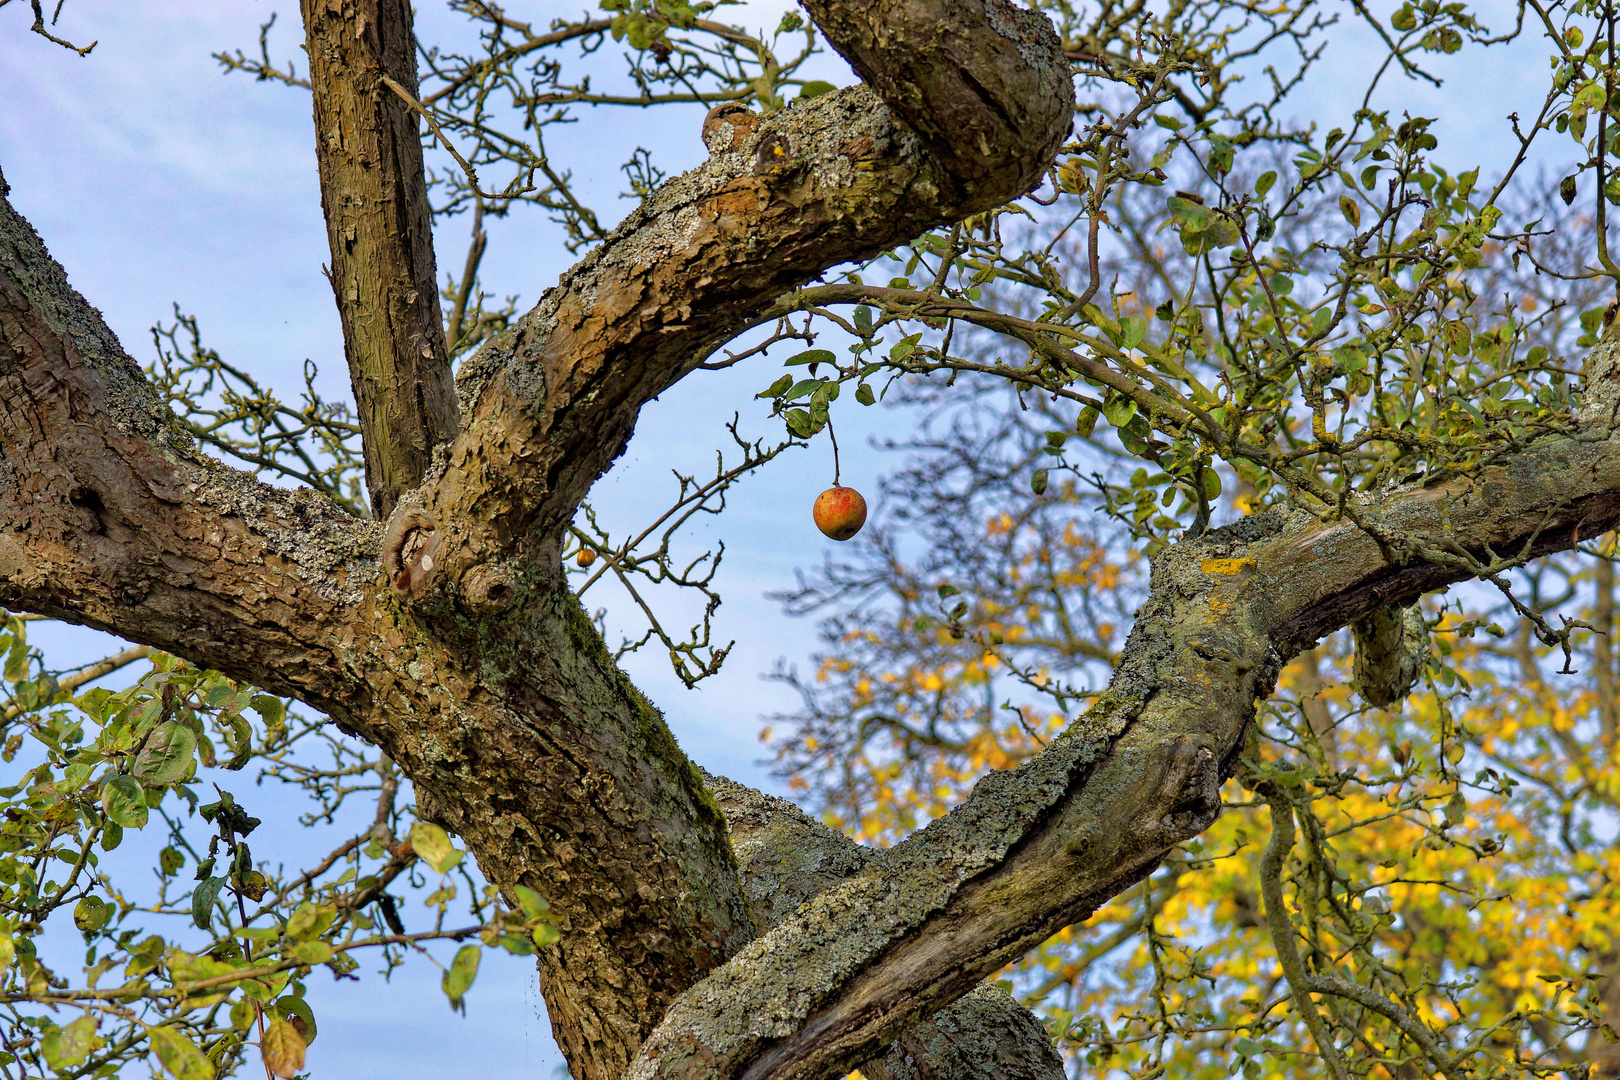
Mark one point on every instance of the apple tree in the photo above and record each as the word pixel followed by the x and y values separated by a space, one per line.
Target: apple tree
pixel 1370 423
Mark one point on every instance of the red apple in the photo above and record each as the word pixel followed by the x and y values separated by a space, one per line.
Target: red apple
pixel 840 512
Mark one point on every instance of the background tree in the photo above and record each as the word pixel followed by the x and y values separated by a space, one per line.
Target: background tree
pixel 1379 424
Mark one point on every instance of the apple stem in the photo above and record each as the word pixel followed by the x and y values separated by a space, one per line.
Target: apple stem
pixel 835 453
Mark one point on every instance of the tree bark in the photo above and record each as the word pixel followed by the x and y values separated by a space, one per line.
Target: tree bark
pixel 380 230
pixel 787 858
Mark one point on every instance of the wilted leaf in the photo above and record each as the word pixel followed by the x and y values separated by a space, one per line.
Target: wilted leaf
pixel 91 914
pixel 432 845
pixel 66 1047
pixel 282 1048
pixel 297 1012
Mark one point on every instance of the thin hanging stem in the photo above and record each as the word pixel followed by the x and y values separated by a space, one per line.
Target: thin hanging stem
pixel 835 453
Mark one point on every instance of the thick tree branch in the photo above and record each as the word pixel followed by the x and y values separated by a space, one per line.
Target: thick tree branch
pixel 374 193
pixel 985 85
pixel 1041 847
pixel 109 517
pixel 787 857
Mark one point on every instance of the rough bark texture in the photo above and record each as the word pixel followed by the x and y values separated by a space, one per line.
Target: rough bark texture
pixel 374 193
pixel 787 857
pixel 1391 645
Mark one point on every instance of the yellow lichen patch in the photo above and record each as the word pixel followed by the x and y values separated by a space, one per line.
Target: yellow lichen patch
pixel 1225 567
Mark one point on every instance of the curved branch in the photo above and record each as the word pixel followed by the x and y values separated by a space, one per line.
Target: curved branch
pixel 843 176
pixel 1044 846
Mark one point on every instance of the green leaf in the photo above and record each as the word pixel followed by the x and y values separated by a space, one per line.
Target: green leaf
pixel 202 902
pixel 1264 182
pixel 309 920
pixel 8 953
pixel 312 952
pixel 545 935
pixel 1212 485
pixel 803 387
pixel 863 394
pixel 776 388
pixel 1350 210
pixel 167 754
pixel 810 356
pixel 1119 410
pixel 463 969
pixel 124 802
pixel 180 1057
pixel 533 904
pixel 1404 19
pixel 432 845
pixel 815 88
pixel 948 590
pixel 272 709
pixel 1132 328
pixel 67 1047
pixel 1037 483
pixel 1193 215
